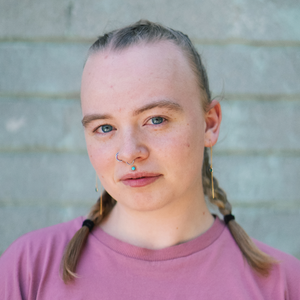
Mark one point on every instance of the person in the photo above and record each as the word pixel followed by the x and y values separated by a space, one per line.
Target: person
pixel 150 124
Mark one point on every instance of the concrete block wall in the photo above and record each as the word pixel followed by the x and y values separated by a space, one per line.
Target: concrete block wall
pixel 252 53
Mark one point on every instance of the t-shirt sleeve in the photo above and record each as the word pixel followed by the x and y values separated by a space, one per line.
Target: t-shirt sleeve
pixel 288 269
pixel 14 276
pixel 26 265
pixel 292 275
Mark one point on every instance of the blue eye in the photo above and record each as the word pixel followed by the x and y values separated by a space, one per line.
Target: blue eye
pixel 157 120
pixel 106 128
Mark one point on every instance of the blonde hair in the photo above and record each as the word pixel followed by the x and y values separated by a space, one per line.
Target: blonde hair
pixel 148 32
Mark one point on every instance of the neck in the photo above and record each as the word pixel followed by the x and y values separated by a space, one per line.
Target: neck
pixel 157 229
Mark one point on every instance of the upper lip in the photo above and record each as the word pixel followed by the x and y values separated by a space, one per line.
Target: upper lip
pixel 136 175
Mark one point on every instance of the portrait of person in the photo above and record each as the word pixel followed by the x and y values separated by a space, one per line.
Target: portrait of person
pixel 150 158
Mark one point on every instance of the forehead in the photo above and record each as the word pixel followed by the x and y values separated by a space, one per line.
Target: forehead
pixel 141 71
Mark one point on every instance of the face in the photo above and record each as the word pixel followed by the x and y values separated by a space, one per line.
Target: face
pixel 144 103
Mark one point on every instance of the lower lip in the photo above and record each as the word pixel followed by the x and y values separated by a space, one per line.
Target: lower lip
pixel 140 182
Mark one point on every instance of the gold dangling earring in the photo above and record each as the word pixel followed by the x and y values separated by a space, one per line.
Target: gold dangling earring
pixel 101 210
pixel 212 173
pixel 96 189
pixel 96 185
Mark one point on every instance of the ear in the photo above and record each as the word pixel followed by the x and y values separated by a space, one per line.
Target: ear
pixel 213 119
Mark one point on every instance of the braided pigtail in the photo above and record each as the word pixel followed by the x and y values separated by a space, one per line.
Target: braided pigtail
pixel 75 246
pixel 257 259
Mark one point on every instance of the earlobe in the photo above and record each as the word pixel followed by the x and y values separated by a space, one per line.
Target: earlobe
pixel 213 119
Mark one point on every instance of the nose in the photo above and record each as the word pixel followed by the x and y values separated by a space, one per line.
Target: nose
pixel 132 148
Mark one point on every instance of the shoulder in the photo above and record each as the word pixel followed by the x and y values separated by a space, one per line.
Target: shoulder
pixel 33 257
pixel 287 261
pixel 286 271
pixel 39 246
pixel 57 235
pixel 284 276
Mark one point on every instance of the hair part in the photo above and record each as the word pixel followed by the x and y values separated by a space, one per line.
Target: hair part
pixel 147 32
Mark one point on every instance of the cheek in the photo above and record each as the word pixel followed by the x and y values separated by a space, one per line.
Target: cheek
pixel 93 156
pixel 182 146
pixel 184 151
pixel 100 157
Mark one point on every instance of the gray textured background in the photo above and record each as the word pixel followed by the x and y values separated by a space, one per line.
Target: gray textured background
pixel 252 52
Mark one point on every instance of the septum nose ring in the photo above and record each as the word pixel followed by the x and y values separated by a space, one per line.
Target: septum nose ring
pixel 133 168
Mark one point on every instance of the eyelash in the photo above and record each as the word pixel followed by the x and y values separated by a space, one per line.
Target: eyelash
pixel 102 132
pixel 156 117
pixel 101 126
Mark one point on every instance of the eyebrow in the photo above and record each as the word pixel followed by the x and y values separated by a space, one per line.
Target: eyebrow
pixel 161 104
pixel 90 118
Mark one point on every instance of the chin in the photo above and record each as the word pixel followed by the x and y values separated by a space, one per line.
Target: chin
pixel 143 202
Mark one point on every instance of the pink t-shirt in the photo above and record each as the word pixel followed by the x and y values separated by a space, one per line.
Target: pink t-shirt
pixel 210 266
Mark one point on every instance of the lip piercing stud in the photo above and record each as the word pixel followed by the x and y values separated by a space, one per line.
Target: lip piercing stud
pixel 133 168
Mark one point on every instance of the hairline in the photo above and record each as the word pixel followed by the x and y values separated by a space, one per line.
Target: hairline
pixel 111 47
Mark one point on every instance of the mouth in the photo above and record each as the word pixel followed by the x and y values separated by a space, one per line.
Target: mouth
pixel 139 179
